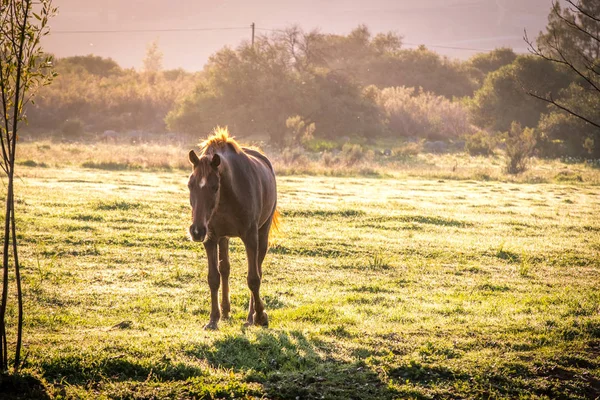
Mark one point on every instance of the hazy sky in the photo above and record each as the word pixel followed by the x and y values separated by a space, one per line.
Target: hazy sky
pixel 477 24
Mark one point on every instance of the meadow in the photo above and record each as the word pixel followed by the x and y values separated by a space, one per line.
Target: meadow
pixel 405 282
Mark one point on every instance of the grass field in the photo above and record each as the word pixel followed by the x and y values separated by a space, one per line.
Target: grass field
pixel 376 288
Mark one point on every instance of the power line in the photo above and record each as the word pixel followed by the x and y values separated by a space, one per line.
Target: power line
pixel 103 31
pixel 270 30
pixel 149 30
pixel 439 46
pixel 404 43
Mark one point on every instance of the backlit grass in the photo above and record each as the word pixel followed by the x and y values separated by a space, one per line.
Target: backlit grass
pixel 375 288
pixel 167 156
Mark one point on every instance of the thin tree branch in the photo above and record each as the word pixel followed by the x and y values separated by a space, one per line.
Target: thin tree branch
pixel 552 101
pixel 581 10
pixel 539 52
pixel 575 25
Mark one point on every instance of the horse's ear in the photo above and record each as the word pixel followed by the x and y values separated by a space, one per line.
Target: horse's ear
pixel 194 160
pixel 216 161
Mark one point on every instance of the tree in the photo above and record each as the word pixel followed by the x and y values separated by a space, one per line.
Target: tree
pixel 23 68
pixel 255 89
pixel 519 148
pixel 502 100
pixel 492 61
pixel 95 65
pixel 153 61
pixel 572 40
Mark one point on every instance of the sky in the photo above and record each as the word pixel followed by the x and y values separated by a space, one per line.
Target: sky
pixel 189 31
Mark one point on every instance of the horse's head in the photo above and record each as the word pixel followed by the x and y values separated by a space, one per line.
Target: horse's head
pixel 204 185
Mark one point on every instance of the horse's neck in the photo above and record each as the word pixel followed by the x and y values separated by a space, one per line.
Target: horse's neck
pixel 233 166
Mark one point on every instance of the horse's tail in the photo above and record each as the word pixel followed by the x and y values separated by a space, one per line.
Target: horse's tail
pixel 275 222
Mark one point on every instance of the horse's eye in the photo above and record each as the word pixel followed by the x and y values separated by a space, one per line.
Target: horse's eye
pixel 215 188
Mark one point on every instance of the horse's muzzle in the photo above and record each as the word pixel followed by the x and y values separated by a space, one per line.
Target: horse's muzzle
pixel 197 233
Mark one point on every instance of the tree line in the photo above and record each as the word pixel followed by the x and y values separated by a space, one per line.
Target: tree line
pixel 302 87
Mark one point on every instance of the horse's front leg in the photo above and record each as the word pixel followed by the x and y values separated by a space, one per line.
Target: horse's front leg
pixel 213 283
pixel 224 268
pixel 256 314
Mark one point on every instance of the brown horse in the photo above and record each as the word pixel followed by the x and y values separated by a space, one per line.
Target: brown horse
pixel 233 194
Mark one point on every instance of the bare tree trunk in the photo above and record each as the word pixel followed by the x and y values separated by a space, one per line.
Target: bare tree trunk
pixel 6 247
pixel 20 53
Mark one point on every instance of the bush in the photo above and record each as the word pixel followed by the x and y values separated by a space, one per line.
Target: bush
pixel 480 143
pixel 72 128
pixel 298 131
pixel 408 149
pixel 328 159
pixel 318 145
pixel 104 97
pixel 520 144
pixel 423 114
pixel 352 153
pixel 293 156
pixel 561 134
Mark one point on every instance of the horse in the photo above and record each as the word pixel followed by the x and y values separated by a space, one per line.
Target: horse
pixel 233 193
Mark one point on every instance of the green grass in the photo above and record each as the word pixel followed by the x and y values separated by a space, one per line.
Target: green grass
pixel 375 289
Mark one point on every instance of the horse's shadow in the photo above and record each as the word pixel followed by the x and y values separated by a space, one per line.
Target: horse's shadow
pixel 22 386
pixel 290 366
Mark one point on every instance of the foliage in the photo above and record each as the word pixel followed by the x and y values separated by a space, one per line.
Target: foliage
pixel 421 114
pixel 520 144
pixel 480 143
pixel 105 97
pixel 23 68
pixel 153 60
pixel 381 61
pixel 93 65
pixel 422 68
pixel 299 132
pixel 572 41
pixel 565 134
pixel 502 99
pixel 72 128
pixel 320 145
pixel 494 60
pixel 256 89
pixel 352 153
pixel 563 36
pixel 358 85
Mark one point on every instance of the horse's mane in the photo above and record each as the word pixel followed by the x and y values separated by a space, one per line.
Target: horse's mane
pixel 219 139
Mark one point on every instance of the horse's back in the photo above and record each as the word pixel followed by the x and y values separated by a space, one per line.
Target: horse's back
pixel 260 156
pixel 259 184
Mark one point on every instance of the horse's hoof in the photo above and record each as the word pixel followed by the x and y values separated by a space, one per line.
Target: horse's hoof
pixel 211 326
pixel 224 315
pixel 261 320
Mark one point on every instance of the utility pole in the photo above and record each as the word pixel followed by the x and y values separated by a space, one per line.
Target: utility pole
pixel 252 26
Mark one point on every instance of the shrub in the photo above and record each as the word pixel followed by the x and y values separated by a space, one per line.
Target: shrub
pixel 408 149
pixel 519 148
pixel 298 131
pixel 318 145
pixel 293 156
pixel 328 159
pixel 423 114
pixel 72 128
pixel 568 176
pixel 561 134
pixel 352 153
pixel 104 97
pixel 480 143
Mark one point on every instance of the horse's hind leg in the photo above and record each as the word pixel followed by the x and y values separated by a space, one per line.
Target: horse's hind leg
pixel 224 268
pixel 256 250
